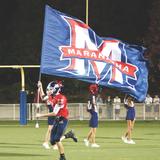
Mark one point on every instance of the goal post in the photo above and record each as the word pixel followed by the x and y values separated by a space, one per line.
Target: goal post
pixel 23 94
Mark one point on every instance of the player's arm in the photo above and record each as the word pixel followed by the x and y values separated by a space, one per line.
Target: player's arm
pixel 89 106
pixel 57 107
pixel 54 113
pixel 41 92
pixel 125 99
pixel 45 115
pixel 126 102
pixel 94 100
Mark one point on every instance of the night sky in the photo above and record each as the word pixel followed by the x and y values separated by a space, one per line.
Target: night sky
pixel 22 23
pixel 21 26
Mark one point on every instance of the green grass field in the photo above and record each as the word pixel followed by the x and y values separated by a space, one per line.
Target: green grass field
pixel 25 142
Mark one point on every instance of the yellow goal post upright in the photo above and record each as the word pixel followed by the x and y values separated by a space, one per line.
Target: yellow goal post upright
pixel 23 94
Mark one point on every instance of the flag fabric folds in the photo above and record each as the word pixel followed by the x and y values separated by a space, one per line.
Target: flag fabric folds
pixel 72 49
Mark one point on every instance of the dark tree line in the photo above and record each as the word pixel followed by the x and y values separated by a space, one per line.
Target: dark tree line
pixel 152 41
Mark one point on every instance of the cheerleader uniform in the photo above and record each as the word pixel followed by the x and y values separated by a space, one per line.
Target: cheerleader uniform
pixel 92 109
pixel 130 111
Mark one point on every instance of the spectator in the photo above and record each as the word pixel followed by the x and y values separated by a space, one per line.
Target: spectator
pixel 156 102
pixel 148 106
pixel 109 108
pixel 117 105
pixel 99 104
pixel 99 99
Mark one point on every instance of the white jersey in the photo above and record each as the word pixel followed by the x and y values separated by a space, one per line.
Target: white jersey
pixel 156 101
pixel 117 103
pixel 148 100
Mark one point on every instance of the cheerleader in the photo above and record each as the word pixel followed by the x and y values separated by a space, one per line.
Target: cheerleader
pixel 93 123
pixel 130 118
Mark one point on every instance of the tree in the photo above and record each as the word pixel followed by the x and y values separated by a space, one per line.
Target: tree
pixel 152 41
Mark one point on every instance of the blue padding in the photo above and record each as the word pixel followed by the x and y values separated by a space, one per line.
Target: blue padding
pixel 23 108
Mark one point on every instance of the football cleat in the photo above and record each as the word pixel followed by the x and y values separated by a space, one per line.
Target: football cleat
pixel 62 158
pixel 123 138
pixel 94 145
pixel 86 142
pixel 130 141
pixel 46 145
pixel 71 134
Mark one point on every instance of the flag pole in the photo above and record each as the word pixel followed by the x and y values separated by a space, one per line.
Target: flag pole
pixel 87 12
pixel 39 79
pixel 38 103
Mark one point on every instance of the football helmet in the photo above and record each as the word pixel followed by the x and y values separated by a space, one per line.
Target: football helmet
pixel 54 87
pixel 93 88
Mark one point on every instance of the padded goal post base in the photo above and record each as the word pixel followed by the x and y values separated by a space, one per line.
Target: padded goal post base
pixel 23 108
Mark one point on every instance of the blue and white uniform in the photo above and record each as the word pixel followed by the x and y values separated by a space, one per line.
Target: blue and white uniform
pixel 130 110
pixel 92 109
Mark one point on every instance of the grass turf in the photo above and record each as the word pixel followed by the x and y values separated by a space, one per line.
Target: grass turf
pixel 25 142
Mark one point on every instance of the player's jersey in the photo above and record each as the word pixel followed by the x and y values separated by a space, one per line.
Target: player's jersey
pixel 50 103
pixel 59 104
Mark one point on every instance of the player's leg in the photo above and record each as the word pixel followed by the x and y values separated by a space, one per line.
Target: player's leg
pixel 61 151
pixel 52 136
pixel 55 147
pixel 70 134
pixel 47 137
pixel 55 140
pixel 61 127
pixel 51 122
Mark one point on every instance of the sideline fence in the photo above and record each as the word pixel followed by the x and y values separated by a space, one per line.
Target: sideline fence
pixel 77 111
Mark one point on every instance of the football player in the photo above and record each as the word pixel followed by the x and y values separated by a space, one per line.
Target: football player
pixel 60 112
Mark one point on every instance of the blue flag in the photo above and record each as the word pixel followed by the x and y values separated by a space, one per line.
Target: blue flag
pixel 72 49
